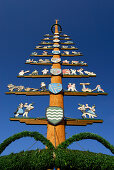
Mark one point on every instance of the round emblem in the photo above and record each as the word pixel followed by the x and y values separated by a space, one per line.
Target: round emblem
pixel 55 88
pixel 56 52
pixel 56 45
pixel 54 114
pixel 55 71
pixel 55 60
pixel 56 40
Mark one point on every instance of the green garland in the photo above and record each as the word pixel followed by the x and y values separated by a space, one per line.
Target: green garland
pixel 86 135
pixel 61 157
pixel 64 159
pixel 37 136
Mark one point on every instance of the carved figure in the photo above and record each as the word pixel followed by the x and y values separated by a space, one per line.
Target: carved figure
pixel 74 62
pixel 64 46
pixel 44 53
pixel 65 34
pixel 29 61
pixel 34 53
pixel 17 88
pixel 80 71
pixel 98 88
pixel 73 71
pixel 28 108
pixel 86 110
pixel 22 72
pixel 72 47
pixel 46 38
pixel 72 87
pixel 19 110
pixel 68 42
pixel 35 72
pixel 38 46
pixel 45 71
pixel 43 86
pixel 67 38
pixel 66 52
pixel 27 89
pixel 49 46
pixel 74 52
pixel 89 73
pixel 44 61
pixel 84 89
pixel 66 72
pixel 82 62
pixel 65 62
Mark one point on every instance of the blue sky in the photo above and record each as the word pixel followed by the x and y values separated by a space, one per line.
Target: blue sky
pixel 90 25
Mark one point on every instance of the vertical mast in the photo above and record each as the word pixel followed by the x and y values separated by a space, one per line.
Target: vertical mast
pixel 56 134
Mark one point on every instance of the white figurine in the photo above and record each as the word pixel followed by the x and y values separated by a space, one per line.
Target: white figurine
pixel 74 62
pixel 22 72
pixel 89 73
pixel 28 108
pixel 17 88
pixel 82 62
pixel 34 53
pixel 29 61
pixel 84 109
pixel 45 71
pixel 67 38
pixel 35 72
pixel 74 52
pixel 72 47
pixel 71 87
pixel 64 46
pixel 27 89
pixel 98 88
pixel 19 110
pixel 73 71
pixel 65 62
pixel 84 89
pixel 46 38
pixel 66 72
pixel 38 46
pixel 43 86
pixel 44 53
pixel 66 52
pixel 80 71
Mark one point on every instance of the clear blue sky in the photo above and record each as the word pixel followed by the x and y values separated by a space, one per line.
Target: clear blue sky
pixel 91 26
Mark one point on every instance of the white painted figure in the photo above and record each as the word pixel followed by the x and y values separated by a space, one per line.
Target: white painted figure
pixel 22 72
pixel 65 62
pixel 84 89
pixel 66 72
pixel 80 71
pixel 72 87
pixel 28 108
pixel 74 52
pixel 66 52
pixel 34 53
pixel 45 71
pixel 35 72
pixel 17 88
pixel 46 38
pixel 29 61
pixel 74 62
pixel 38 46
pixel 73 71
pixel 43 86
pixel 98 88
pixel 44 53
pixel 64 46
pixel 89 73
pixel 19 110
pixel 72 47
pixel 86 110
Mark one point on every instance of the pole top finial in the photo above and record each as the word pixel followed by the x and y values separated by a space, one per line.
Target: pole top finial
pixel 56 21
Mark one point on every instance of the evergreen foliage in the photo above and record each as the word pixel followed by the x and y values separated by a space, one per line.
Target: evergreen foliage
pixel 60 157
pixel 37 136
pixel 86 135
pixel 64 159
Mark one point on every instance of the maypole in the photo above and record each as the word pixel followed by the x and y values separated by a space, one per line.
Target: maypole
pixel 56 134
